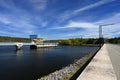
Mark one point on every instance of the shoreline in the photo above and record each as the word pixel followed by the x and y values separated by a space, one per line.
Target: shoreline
pixel 69 71
pixel 89 45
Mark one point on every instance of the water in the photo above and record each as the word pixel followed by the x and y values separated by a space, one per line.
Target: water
pixel 29 64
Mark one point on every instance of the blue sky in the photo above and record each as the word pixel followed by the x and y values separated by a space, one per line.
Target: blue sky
pixel 59 19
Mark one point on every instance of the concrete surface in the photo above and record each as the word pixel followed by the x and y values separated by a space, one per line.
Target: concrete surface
pixel 100 68
pixel 114 53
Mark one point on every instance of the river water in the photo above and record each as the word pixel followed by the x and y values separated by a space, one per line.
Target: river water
pixel 26 64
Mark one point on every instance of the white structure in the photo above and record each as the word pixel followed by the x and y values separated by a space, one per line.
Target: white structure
pixel 19 45
pixel 32 45
pixel 43 45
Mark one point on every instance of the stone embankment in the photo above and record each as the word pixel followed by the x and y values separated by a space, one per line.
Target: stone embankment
pixel 67 72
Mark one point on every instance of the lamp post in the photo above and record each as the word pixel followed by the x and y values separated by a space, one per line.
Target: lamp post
pixel 100 29
pixel 101 39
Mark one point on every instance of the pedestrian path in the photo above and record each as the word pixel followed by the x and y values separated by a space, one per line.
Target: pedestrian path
pixel 100 68
pixel 114 53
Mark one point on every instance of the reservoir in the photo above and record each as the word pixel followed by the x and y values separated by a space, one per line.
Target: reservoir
pixel 27 64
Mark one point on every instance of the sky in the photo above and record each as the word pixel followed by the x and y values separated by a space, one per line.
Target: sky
pixel 59 19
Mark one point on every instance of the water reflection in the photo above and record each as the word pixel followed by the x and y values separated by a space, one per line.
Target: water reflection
pixel 27 64
pixel 19 52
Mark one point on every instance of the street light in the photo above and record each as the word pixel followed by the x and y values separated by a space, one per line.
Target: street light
pixel 100 29
pixel 100 33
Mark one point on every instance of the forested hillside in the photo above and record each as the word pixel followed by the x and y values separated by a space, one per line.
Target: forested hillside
pixel 114 40
pixel 13 39
pixel 83 41
pixel 73 41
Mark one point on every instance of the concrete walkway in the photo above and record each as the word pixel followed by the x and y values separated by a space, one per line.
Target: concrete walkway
pixel 100 68
pixel 114 53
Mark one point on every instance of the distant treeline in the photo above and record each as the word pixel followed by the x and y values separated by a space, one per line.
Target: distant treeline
pixel 79 41
pixel 84 41
pixel 115 40
pixel 73 41
pixel 13 39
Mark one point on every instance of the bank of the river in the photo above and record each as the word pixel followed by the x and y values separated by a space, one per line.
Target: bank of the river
pixel 67 72
pixel 13 39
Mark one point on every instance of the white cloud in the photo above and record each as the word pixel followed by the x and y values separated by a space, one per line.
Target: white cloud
pixel 20 20
pixel 74 34
pixel 99 3
pixel 8 33
pixel 73 24
pixel 7 4
pixel 20 26
pixel 70 13
pixel 4 20
pixel 92 29
pixel 89 29
pixel 39 4
pixel 114 18
pixel 111 30
pixel 43 24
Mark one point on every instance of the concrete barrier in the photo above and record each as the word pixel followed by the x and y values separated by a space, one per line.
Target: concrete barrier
pixel 100 68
